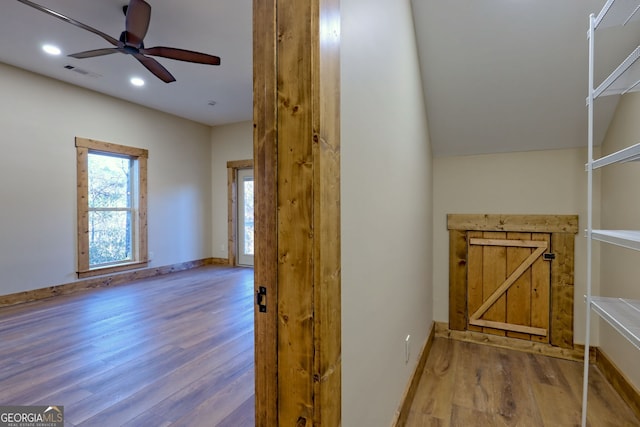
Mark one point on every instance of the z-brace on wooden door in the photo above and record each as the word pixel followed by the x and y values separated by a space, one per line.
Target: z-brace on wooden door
pixel 509 284
pixel 560 228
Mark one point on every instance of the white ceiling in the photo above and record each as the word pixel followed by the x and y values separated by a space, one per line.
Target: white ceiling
pixel 499 75
pixel 218 27
pixel 511 75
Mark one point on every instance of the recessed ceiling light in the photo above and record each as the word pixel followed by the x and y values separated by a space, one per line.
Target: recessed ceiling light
pixel 51 49
pixel 137 81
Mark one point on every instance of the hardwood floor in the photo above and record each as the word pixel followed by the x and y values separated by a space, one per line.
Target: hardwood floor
pixel 172 350
pixel 466 384
pixel 178 350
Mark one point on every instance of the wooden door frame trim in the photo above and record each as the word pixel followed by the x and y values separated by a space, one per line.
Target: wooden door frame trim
pixel 562 229
pixel 296 60
pixel 232 205
pixel 265 139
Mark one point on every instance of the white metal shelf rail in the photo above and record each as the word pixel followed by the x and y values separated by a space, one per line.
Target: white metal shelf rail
pixel 622 314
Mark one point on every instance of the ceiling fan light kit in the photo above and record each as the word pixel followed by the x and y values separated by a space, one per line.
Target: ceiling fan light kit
pixel 131 41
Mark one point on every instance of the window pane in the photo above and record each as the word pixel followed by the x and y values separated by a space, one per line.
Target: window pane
pixel 109 181
pixel 248 217
pixel 110 237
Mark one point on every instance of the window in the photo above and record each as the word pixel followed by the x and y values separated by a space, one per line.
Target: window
pixel 112 212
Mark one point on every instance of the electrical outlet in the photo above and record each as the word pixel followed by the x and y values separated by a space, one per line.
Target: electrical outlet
pixel 150 256
pixel 407 349
pixel 222 248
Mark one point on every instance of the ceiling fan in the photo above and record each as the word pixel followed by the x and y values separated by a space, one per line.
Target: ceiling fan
pixel 138 14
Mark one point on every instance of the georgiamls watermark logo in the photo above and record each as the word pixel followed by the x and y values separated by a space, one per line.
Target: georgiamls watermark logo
pixel 31 416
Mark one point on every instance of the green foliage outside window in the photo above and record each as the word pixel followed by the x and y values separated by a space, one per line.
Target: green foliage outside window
pixel 110 209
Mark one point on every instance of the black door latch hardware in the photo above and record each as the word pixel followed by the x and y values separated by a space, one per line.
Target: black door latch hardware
pixel 261 299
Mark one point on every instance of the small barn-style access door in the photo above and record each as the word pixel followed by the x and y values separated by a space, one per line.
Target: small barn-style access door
pixel 508 279
pixel 512 275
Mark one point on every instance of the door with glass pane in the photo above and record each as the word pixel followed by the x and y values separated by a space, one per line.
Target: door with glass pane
pixel 245 217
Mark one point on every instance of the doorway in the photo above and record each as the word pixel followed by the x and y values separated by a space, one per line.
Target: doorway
pixel 244 215
pixel 234 169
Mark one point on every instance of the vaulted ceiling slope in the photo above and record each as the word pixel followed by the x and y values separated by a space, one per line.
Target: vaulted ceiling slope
pixel 220 27
pixel 511 75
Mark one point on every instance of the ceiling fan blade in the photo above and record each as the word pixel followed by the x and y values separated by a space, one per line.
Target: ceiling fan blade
pixel 71 21
pixel 155 67
pixel 96 52
pixel 182 55
pixel 137 23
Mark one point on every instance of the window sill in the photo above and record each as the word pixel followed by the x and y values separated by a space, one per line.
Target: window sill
pixel 112 269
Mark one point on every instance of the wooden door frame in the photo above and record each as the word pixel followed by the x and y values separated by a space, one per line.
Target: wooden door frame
pixel 562 229
pixel 296 62
pixel 232 205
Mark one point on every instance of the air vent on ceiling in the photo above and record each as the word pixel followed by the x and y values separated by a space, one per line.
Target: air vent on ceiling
pixel 82 71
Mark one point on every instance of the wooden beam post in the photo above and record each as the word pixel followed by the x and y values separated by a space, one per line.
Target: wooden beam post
pixel 297 178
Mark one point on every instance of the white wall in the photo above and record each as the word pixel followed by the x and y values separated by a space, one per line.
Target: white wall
pixel 228 143
pixel 39 119
pixel 536 182
pixel 386 208
pixel 620 267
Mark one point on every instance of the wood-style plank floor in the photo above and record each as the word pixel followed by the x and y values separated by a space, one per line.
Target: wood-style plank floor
pixel 466 384
pixel 173 350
